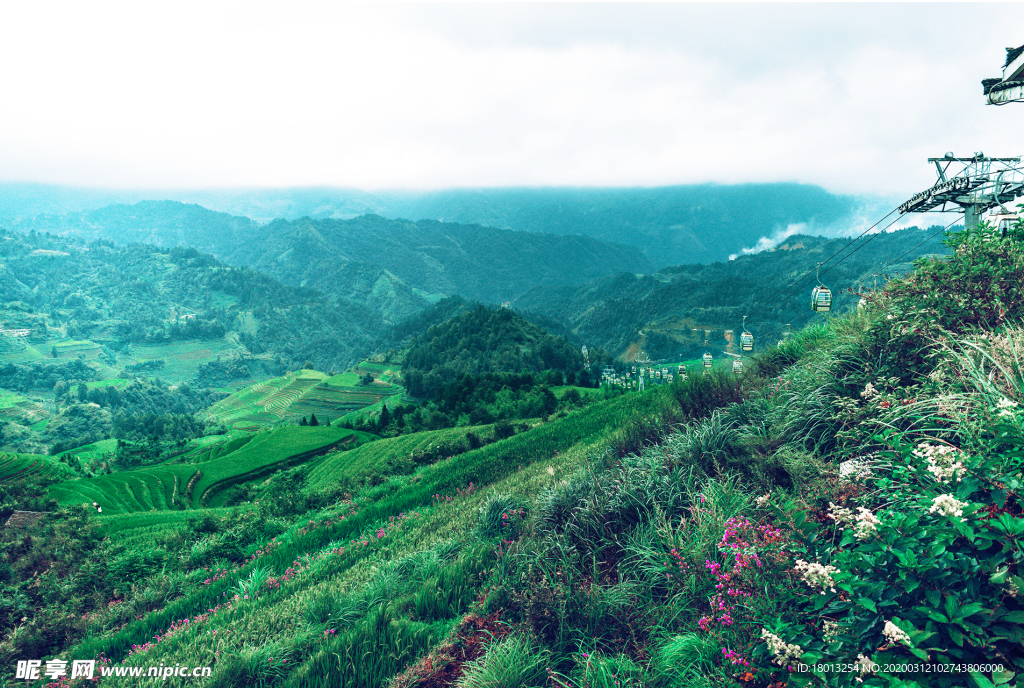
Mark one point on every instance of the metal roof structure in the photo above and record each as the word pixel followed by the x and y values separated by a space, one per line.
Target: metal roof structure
pixel 1010 87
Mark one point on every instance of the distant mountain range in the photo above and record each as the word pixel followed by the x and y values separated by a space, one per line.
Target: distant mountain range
pixel 671 225
pixel 396 267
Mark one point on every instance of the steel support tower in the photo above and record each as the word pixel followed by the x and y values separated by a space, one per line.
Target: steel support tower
pixel 974 185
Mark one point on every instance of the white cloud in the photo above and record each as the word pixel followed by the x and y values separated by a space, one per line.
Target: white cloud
pixel 768 243
pixel 852 97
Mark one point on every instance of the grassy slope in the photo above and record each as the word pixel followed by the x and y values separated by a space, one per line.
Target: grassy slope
pixel 517 464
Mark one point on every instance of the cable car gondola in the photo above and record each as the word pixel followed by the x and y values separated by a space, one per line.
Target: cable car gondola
pixel 821 297
pixel 708 360
pixel 746 339
pixel 1003 220
pixel 737 366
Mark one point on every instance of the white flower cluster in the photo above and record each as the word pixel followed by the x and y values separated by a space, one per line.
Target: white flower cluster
pixel 816 575
pixel 762 501
pixel 895 634
pixel 855 469
pixel 864 665
pixel 866 524
pixel 783 651
pixel 942 461
pixel 947 505
pixel 1006 407
pixel 869 391
pixel 839 514
pixel 831 631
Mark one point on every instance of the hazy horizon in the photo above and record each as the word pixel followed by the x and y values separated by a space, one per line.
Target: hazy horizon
pixel 425 97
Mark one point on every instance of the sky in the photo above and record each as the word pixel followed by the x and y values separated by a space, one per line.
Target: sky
pixel 852 97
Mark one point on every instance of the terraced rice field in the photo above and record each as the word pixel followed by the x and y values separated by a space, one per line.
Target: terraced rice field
pixel 302 393
pixel 15 467
pixel 146 489
pixel 330 403
pixel 213 470
pixel 10 399
pixel 265 453
pixel 112 382
pixel 76 349
pixel 141 528
pixel 385 372
pixel 17 350
pixel 267 402
pixel 154 520
pixel 97 451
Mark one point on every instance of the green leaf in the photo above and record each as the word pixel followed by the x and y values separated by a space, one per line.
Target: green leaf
pixel 936 616
pixel 956 636
pixel 980 681
pixel 1008 524
pixel 1013 617
pixel 969 609
pixel 999 577
pixel 1001 676
pixel 933 596
pixel 867 603
pixel 951 604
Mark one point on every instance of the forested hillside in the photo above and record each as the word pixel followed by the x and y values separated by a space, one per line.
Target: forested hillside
pixel 484 340
pixel 122 299
pixel 387 265
pixel 673 307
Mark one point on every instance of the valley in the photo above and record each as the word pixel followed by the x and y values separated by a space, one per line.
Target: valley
pixel 335 436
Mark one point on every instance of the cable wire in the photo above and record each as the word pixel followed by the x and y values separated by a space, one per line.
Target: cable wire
pixel 941 231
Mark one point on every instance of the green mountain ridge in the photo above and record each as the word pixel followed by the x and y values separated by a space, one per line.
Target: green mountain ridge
pixel 674 306
pixel 697 223
pixel 390 265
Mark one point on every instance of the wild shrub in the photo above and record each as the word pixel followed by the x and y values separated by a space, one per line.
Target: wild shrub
pixel 980 286
pixel 250 587
pixel 699 395
pixel 597 670
pixel 321 610
pixel 683 661
pixel 501 516
pixel 134 565
pixel 512 662
pixel 253 665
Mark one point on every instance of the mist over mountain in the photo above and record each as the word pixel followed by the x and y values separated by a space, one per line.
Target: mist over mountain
pixel 671 225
